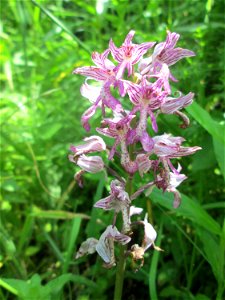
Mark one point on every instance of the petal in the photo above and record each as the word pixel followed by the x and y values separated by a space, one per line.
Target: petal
pixel 150 234
pixel 92 144
pixel 184 151
pixel 171 56
pixel 129 37
pixel 103 248
pixel 171 105
pixel 171 40
pixel 118 237
pixel 131 136
pixel 79 178
pixel 144 163
pixel 135 93
pixel 153 120
pixel 90 92
pixel 91 164
pixel 176 180
pixel 87 247
pixel 86 116
pixel 117 54
pixel 92 72
pixel 104 203
pixel 113 149
pixel 120 69
pixel 106 132
pixel 110 101
pixel 144 64
pixel 147 142
pixel 102 61
pixel 135 210
pixel 140 50
pixel 177 199
pixel 130 69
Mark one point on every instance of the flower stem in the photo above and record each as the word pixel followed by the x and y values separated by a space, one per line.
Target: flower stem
pixel 120 274
pixel 122 256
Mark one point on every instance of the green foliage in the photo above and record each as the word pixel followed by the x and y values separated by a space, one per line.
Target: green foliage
pixel 44 214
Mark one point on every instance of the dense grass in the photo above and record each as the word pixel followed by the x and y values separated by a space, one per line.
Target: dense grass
pixel 44 214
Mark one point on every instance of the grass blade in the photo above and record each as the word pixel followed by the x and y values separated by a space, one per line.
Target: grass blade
pixel 61 25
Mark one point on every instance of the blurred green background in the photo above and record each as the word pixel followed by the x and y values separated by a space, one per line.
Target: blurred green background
pixel 44 215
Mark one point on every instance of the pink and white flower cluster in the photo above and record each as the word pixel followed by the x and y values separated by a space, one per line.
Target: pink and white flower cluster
pixel 131 92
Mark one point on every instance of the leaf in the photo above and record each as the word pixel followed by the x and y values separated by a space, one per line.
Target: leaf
pixel 202 297
pixel 55 285
pixel 213 252
pixel 8 287
pixel 216 130
pixel 189 209
pixel 220 155
pixel 201 161
pixel 33 289
pixel 56 214
pixel 206 121
pixel 48 130
pixel 74 231
pixel 61 25
pixel 93 227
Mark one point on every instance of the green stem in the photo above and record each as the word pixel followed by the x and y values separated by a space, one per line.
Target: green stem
pixel 122 257
pixel 120 274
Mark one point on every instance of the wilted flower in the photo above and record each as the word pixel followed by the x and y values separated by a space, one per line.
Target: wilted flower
pixel 118 200
pixel 87 247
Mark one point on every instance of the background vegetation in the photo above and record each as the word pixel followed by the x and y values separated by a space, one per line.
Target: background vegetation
pixel 44 214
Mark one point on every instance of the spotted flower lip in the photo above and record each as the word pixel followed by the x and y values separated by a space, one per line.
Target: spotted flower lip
pixel 128 54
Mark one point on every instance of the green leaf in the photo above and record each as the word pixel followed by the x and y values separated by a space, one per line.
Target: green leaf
pixel 216 130
pixel 189 209
pixel 48 130
pixel 56 214
pixel 206 121
pixel 31 289
pixel 202 297
pixel 213 252
pixel 61 25
pixel 220 155
pixel 55 285
pixel 8 287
